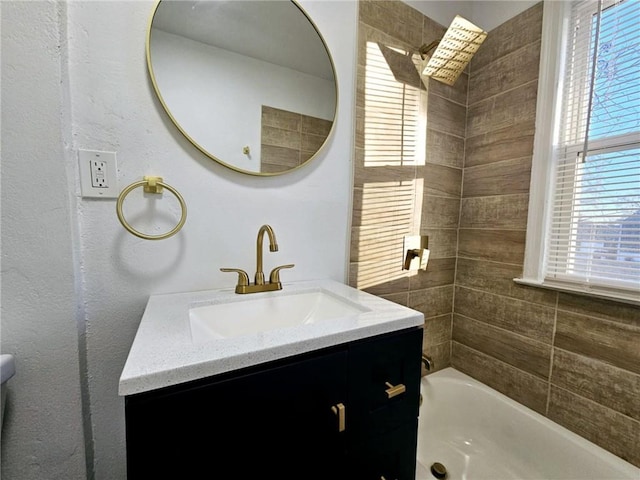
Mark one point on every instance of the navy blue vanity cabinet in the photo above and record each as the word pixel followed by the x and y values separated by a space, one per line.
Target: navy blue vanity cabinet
pixel 311 416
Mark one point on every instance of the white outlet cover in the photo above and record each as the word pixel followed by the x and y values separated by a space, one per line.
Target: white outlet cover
pixel 110 190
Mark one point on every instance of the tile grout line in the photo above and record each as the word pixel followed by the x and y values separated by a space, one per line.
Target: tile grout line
pixel 553 341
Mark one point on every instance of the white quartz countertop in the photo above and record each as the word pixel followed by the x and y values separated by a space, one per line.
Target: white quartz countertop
pixel 163 352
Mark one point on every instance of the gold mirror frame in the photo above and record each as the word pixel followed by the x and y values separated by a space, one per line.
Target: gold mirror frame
pixel 209 154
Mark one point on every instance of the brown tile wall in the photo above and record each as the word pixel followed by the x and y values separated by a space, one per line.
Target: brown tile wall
pixel 377 246
pixel 288 139
pixel 572 358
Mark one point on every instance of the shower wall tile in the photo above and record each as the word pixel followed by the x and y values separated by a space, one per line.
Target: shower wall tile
pixel 498 278
pixel 501 111
pixel 445 149
pixel 446 116
pixel 359 127
pixel 603 426
pixel 505 246
pixel 436 342
pixel 360 88
pixel 433 302
pixel 479 305
pixel 440 356
pixel 367 33
pixel 611 342
pixel 508 177
pixel 442 242
pixel 440 180
pixel 380 174
pixel 530 320
pixel 514 141
pixel 600 308
pixel 512 35
pixel 364 273
pixel 610 386
pixel 440 212
pixel 456 92
pixel 437 330
pixel 375 244
pixel 501 212
pixel 505 73
pixel 399 298
pixel 523 387
pixel 516 350
pixel 394 18
pixel 384 205
pixel 440 272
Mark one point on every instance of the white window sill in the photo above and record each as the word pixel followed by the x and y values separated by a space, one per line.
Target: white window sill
pixel 617 295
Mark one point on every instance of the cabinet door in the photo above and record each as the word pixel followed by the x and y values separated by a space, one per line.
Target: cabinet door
pixel 274 423
pixel 376 366
pixel 388 456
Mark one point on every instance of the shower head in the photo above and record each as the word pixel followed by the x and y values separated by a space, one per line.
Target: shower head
pixel 454 51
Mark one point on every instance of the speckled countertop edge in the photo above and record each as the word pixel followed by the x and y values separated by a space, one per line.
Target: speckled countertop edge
pixel 163 354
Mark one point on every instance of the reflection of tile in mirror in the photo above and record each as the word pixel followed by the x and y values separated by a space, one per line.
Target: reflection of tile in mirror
pixel 289 139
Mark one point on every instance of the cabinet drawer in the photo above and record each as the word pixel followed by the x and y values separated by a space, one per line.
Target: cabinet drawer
pixel 384 378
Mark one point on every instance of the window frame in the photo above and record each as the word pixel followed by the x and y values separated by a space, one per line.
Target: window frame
pixel 555 21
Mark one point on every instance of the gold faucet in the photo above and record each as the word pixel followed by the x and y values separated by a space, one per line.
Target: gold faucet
pixel 243 285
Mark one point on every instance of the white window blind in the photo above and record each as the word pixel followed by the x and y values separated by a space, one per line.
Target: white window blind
pixel 593 236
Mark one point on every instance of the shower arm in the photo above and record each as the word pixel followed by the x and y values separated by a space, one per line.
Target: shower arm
pixel 425 49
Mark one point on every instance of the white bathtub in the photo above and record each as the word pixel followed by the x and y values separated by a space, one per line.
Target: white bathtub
pixel 478 433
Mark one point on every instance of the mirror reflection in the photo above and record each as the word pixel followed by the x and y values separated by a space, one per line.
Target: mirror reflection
pixel 250 83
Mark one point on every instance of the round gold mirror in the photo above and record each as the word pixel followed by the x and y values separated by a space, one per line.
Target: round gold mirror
pixel 251 84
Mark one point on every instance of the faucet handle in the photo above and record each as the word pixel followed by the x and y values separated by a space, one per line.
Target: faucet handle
pixel 274 276
pixel 243 278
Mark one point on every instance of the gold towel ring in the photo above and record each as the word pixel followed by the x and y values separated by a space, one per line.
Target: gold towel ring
pixel 151 185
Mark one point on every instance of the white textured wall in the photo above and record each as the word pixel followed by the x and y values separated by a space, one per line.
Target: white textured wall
pixel 111 106
pixel 42 436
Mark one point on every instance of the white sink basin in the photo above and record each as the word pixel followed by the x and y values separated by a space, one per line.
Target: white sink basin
pixel 255 314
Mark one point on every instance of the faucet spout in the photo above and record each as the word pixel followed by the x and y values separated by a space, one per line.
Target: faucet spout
pixel 273 247
pixel 259 285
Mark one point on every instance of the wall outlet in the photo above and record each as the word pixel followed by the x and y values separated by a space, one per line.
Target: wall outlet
pixel 98 174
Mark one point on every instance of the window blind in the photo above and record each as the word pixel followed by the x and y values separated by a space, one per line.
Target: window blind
pixel 594 233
